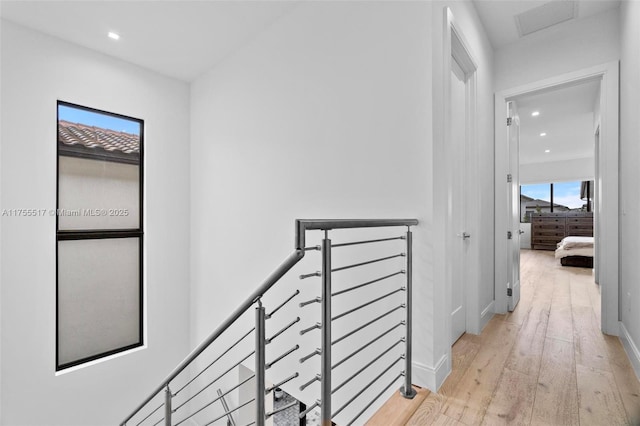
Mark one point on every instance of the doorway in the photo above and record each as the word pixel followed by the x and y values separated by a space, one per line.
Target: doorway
pixel 461 171
pixel 606 185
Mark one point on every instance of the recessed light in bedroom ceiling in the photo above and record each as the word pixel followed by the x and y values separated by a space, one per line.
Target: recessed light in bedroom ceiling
pixel 113 36
pixel 535 113
pixel 545 16
pixel 547 151
pixel 543 134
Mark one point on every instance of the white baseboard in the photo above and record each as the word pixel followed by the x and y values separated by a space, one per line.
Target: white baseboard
pixel 630 348
pixel 431 377
pixel 486 315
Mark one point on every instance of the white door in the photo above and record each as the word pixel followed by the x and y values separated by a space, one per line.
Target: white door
pixel 513 185
pixel 596 210
pixel 458 203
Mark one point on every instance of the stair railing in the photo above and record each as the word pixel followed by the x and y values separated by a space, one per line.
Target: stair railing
pixel 192 398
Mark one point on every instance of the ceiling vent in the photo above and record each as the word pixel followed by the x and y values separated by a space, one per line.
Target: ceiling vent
pixel 545 16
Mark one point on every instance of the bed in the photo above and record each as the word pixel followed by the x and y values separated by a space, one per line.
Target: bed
pixel 576 251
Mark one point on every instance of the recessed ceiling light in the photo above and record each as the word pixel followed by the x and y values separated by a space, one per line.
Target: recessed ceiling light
pixel 535 113
pixel 547 151
pixel 543 134
pixel 113 35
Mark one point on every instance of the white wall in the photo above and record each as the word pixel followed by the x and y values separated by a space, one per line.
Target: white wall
pixel 629 176
pixel 317 119
pixel 568 47
pixel 37 70
pixel 326 114
pixel 557 171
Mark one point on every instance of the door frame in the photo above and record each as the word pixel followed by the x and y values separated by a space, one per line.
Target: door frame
pixel 513 200
pixel 456 46
pixel 607 182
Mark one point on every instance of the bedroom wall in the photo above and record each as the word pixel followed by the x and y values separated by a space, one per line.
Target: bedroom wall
pixel 629 176
pixel 557 171
pixel 36 71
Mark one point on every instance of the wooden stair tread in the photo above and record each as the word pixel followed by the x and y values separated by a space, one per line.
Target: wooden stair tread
pixel 398 410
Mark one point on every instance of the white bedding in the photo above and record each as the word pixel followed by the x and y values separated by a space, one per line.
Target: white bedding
pixel 575 246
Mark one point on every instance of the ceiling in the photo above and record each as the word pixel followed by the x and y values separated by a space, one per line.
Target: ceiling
pixel 184 39
pixel 181 39
pixel 499 16
pixel 567 118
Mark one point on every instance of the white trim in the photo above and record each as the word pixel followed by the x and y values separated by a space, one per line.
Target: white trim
pixel 432 377
pixel 630 348
pixel 608 181
pixel 99 361
pixel 486 315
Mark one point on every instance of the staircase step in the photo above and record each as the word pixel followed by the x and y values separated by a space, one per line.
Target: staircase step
pixel 398 410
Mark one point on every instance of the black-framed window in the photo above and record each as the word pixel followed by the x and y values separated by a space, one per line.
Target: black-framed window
pixel 99 234
pixel 554 197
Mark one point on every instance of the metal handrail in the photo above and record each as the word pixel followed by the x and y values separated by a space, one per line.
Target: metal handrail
pixel 278 273
pixel 301 226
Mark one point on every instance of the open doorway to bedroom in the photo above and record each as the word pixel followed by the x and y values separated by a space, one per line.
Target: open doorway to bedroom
pixel 557 174
pixel 588 96
pixel 560 302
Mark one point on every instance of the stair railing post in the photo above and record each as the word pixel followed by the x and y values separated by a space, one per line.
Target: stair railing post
pixel 325 372
pixel 167 406
pixel 407 390
pixel 260 364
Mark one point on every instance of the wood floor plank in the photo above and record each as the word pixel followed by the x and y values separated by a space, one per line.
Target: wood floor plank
pixel 556 401
pixel 462 353
pixel 512 403
pixel 444 420
pixel 599 399
pixel 527 350
pixel 398 410
pixel 429 411
pixel 560 324
pixel 589 342
pixel 517 362
pixel 579 286
pixel 627 383
pixel 469 401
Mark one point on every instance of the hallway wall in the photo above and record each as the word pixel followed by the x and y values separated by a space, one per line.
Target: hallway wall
pixel 36 71
pixel 327 114
pixel 629 177
pixel 568 47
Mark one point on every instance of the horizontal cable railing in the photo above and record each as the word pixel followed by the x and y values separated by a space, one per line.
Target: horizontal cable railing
pixel 209 385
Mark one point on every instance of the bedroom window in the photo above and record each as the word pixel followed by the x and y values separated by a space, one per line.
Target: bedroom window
pixel 99 234
pixel 554 197
pixel 534 199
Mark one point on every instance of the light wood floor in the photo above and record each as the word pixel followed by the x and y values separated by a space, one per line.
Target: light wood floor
pixel 546 363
